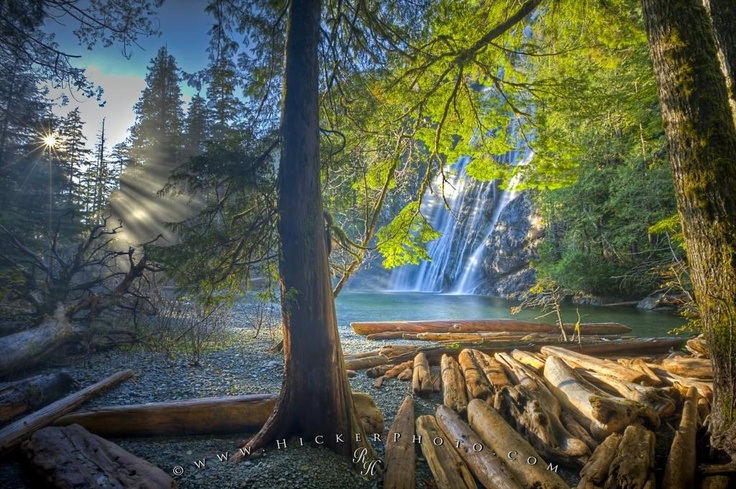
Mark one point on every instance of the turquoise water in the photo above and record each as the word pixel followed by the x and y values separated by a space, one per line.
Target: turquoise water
pixel 387 306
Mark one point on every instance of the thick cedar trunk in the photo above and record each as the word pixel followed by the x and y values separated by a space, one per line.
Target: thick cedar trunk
pixel 70 457
pixel 315 396
pixel 723 16
pixel 702 147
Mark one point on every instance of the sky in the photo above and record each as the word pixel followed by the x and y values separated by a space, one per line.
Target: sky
pixel 183 25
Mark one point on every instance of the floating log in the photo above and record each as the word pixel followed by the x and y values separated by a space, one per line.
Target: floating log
pixel 488 468
pixel 400 466
pixel 483 325
pixel 698 368
pixel 212 415
pixel 14 433
pixel 535 412
pixel 71 457
pixel 632 466
pixel 421 382
pixel 505 441
pixel 590 405
pixel 32 393
pixel 453 385
pixel 679 472
pixel 602 366
pixel 595 472
pixel 448 469
pixel 476 383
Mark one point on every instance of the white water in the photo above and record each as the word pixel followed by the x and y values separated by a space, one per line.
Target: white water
pixel 456 257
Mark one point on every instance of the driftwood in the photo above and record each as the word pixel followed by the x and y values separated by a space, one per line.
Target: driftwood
pixel 679 472
pixel 395 371
pixel 683 384
pixel 535 412
pixel 379 371
pixel 577 430
pixel 366 362
pixel 632 466
pixel 530 359
pixel 199 416
pixel 400 466
pixel 453 385
pixel 448 469
pixel 716 482
pixel 493 371
pixel 406 375
pixel 605 367
pixel 656 399
pixel 488 468
pixel 71 457
pixel 32 393
pixel 14 433
pixel 478 325
pixel 699 368
pixel 502 439
pixel 698 347
pixel 476 383
pixel 595 472
pixel 590 405
pixel 640 365
pixel 421 382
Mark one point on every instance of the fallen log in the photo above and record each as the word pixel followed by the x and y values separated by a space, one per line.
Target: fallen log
pixel 448 469
pixel 488 468
pixel 493 371
pixel 453 385
pixel 590 405
pixel 698 368
pixel 530 359
pixel 71 457
pixel 476 383
pixel 395 371
pixel 482 325
pixel 421 381
pixel 406 375
pixel 32 393
pixel 28 347
pixel 379 370
pixel 595 472
pixel 683 384
pixel 400 466
pixel 632 466
pixel 652 397
pixel 716 482
pixel 14 433
pixel 679 472
pixel 577 430
pixel 214 415
pixel 505 441
pixel 535 412
pixel 640 365
pixel 366 362
pixel 599 365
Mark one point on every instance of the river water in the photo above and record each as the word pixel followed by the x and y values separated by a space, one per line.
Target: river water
pixel 387 306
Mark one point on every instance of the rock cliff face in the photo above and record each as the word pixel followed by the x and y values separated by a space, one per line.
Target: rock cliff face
pixel 509 249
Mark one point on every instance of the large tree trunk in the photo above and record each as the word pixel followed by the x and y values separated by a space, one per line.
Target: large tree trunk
pixel 702 148
pixel 723 16
pixel 315 396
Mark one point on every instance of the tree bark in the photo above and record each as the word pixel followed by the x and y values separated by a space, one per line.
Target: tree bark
pixel 723 17
pixel 701 135
pixel 315 396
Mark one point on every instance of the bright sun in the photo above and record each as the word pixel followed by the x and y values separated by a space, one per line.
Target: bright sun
pixel 49 140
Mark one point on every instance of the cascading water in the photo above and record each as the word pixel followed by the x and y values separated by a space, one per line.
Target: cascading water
pixel 474 210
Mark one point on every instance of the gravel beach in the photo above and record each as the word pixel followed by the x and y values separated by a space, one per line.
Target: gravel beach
pixel 245 366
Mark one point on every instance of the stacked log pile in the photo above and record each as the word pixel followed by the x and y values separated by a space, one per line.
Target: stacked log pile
pixel 511 418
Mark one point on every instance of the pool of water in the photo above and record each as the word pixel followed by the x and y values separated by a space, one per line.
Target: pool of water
pixel 387 306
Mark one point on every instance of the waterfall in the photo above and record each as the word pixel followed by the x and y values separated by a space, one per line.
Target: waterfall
pixel 474 210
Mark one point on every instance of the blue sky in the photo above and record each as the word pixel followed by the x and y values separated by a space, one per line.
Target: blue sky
pixel 183 26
